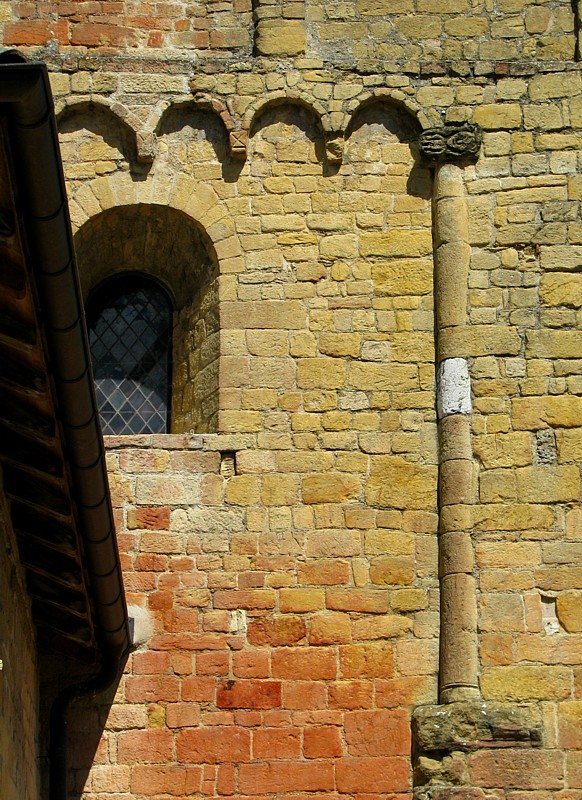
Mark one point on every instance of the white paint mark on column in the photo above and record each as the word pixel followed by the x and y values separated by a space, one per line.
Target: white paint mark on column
pixel 453 387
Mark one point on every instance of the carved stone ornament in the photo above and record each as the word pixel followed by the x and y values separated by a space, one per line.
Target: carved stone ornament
pixel 238 143
pixel 334 148
pixel 147 146
pixel 451 142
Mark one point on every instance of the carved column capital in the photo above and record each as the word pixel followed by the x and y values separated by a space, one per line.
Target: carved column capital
pixel 451 143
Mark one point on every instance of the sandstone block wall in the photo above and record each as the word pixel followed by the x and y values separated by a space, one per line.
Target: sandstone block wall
pixel 286 545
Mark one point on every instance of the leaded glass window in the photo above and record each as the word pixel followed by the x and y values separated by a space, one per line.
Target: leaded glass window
pixel 129 319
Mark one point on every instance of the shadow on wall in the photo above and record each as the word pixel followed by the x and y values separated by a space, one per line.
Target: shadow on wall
pixel 382 121
pixel 86 723
pixel 167 245
pixel 195 141
pixel 86 719
pixel 107 141
pixel 295 118
pixel 291 132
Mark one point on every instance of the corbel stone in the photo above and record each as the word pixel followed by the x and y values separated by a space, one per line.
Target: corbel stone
pixel 238 143
pixel 147 146
pixel 334 148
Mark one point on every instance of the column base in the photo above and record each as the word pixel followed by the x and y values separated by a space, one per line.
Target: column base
pixel 446 736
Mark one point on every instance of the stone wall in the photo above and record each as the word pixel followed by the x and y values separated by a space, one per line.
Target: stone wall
pixel 390 197
pixel 327 367
pixel 224 26
pixel 166 245
pixel 455 30
pixel 407 30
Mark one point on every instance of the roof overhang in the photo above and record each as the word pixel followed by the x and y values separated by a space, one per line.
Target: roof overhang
pixel 51 448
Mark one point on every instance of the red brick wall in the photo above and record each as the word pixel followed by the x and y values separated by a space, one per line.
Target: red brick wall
pixel 127 25
pixel 284 677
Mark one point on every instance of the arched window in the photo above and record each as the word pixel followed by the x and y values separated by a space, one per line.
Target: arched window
pixel 157 249
pixel 129 320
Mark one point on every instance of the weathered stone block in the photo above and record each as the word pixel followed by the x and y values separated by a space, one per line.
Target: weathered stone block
pixel 396 483
pixel 518 769
pixel 330 488
pixel 519 683
pixel 569 610
pixel 469 725
pixel 559 411
pixel 396 243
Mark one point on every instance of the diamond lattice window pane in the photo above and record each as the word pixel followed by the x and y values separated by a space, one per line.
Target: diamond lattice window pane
pixel 130 323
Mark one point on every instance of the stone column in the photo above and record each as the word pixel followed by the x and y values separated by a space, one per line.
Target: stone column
pixel 446 736
pixel 458 672
pixel 458 667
